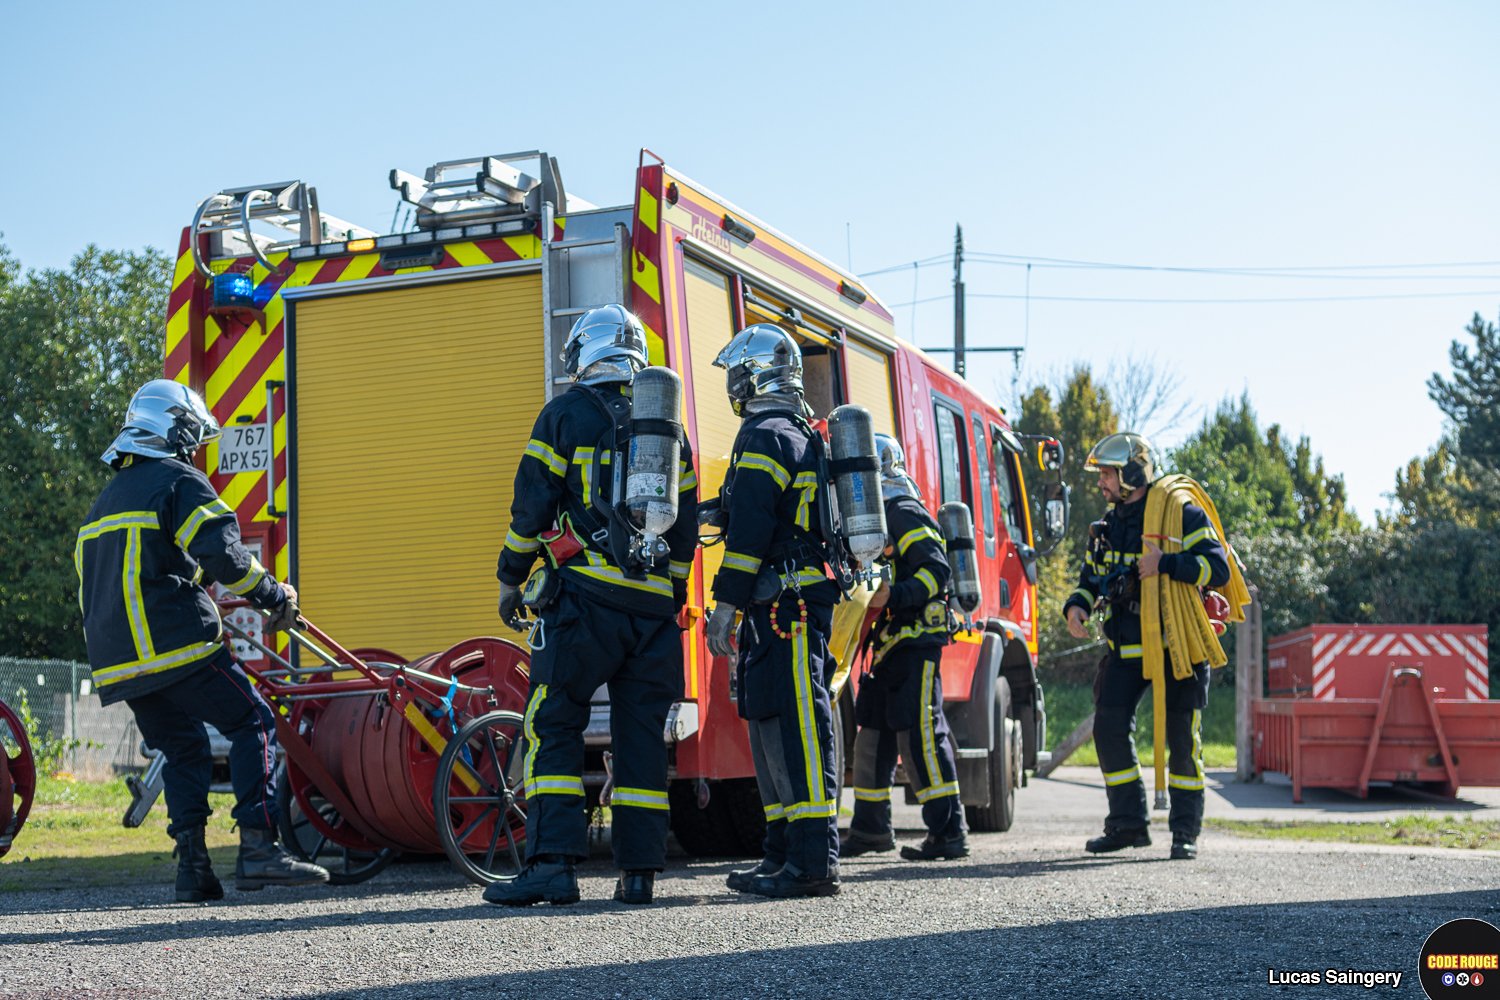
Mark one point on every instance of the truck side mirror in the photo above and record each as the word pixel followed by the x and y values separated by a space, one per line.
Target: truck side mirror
pixel 1049 455
pixel 1055 499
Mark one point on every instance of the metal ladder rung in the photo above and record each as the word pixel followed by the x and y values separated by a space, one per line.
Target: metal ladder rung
pixel 577 310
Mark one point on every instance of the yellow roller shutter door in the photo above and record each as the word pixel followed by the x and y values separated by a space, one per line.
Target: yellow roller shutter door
pixel 870 385
pixel 412 408
pixel 710 327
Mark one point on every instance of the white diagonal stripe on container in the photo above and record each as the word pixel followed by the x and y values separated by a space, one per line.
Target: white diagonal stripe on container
pixel 1323 686
pixel 1344 640
pixel 1469 657
pixel 1359 646
pixel 1415 643
pixel 1380 644
pixel 1322 641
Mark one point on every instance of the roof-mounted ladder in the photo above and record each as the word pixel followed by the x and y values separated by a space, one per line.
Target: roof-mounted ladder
pixel 290 206
pixel 482 189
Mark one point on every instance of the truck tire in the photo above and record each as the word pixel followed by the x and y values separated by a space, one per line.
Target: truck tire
pixel 1004 765
pixel 1026 718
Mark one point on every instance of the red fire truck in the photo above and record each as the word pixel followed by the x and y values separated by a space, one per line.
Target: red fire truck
pixel 378 390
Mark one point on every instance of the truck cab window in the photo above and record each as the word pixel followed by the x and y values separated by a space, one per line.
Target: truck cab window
pixel 1010 501
pixel 950 439
pixel 986 498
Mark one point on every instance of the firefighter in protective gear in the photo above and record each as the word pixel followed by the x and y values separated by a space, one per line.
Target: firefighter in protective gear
pixel 155 535
pixel 1118 558
pixel 602 623
pixel 900 702
pixel 775 572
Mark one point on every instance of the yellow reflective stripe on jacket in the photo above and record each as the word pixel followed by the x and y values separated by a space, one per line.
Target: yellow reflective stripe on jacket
pixel 1203 570
pixel 1080 592
pixel 135 601
pixel 929 582
pixel 249 581
pixel 872 794
pixel 741 562
pixel 1131 652
pixel 544 453
pixel 520 543
pixel 774 811
pixel 1207 531
pixel 925 795
pixel 198 518
pixel 687 479
pixel 807 482
pixel 916 535
pixel 1124 777
pixel 104 676
pixel 765 463
pixel 127 519
pixel 652 584
pixel 679 570
pixel 641 798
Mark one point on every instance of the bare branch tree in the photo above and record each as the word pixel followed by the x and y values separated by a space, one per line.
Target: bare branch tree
pixel 1147 395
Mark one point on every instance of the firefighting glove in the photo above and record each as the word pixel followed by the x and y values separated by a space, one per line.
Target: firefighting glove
pixel 510 606
pixel 285 617
pixel 720 630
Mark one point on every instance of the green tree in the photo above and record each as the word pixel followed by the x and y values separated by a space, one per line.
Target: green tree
pixel 74 345
pixel 1470 398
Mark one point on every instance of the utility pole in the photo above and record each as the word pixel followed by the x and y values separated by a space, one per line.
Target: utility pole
pixel 958 301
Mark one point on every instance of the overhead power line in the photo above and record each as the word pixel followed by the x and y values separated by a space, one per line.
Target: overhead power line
pixel 1203 301
pixel 1313 272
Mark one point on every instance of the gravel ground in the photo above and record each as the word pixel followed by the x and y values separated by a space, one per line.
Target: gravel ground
pixel 1027 912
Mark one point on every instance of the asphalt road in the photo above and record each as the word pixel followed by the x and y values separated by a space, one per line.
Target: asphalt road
pixel 1029 913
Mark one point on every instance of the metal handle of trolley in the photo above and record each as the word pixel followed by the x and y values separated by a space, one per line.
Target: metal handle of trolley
pixel 384 755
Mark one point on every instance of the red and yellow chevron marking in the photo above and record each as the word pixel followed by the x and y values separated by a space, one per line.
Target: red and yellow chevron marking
pixel 230 358
pixel 645 260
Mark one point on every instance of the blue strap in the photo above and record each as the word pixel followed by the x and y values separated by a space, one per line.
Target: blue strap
pixel 447 706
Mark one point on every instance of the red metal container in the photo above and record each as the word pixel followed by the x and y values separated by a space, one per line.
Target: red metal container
pixel 1324 662
pixel 1405 734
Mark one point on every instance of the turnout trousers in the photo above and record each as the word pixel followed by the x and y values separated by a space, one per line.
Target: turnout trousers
pixel 171 720
pixel 586 644
pixel 1117 693
pixel 900 709
pixel 784 697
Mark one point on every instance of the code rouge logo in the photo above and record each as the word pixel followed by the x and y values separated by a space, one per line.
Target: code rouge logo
pixel 1461 959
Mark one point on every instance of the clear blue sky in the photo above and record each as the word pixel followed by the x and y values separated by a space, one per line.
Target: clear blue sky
pixel 1184 134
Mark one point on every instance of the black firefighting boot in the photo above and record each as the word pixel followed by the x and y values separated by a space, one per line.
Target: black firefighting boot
pixel 196 881
pixel 635 886
pixel 937 849
pixel 790 883
pixel 548 878
pixel 740 880
pixel 1184 848
pixel 853 843
pixel 1118 840
pixel 262 862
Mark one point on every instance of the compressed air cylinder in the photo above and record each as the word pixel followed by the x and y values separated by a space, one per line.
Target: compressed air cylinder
pixel 856 477
pixel 957 526
pixel 652 463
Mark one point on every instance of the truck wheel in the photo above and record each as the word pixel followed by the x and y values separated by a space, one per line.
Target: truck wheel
pixel 1026 718
pixel 1004 765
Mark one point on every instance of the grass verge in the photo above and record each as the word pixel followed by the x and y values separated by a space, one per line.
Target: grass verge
pixel 1408 831
pixel 1068 704
pixel 74 839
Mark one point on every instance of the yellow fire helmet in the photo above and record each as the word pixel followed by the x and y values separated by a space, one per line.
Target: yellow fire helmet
pixel 1132 454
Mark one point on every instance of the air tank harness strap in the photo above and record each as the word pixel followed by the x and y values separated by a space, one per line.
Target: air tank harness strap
pixel 796 588
pixel 855 463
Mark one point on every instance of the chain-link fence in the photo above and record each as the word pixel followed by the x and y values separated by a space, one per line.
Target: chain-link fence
pixel 73 732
